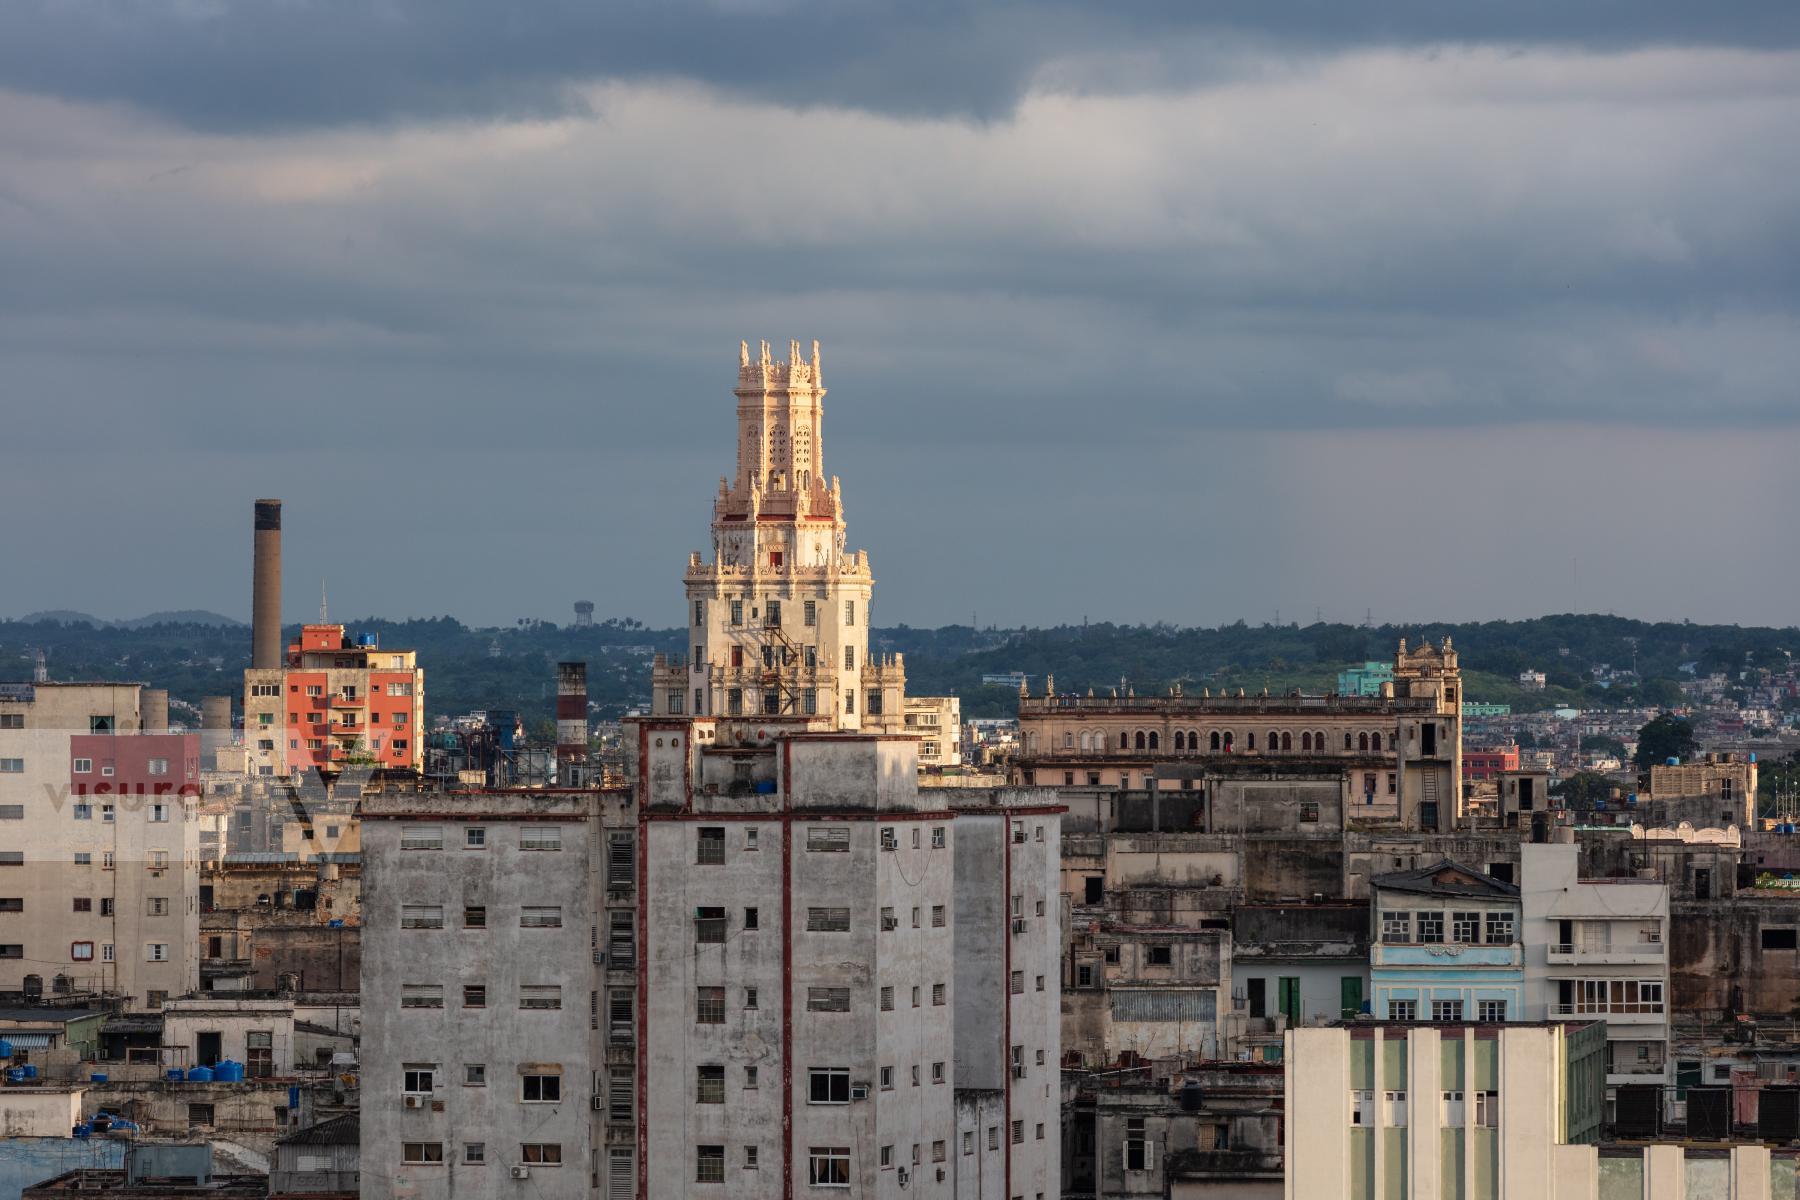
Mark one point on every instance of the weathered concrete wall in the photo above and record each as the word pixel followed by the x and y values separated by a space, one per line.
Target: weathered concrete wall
pixel 39 1112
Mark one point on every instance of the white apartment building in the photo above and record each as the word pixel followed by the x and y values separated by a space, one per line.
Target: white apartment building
pixel 480 1038
pixel 1597 949
pixel 937 722
pixel 839 963
pixel 1501 1112
pixel 99 844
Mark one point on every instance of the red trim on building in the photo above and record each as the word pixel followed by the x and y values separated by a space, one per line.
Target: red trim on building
pixel 1006 1062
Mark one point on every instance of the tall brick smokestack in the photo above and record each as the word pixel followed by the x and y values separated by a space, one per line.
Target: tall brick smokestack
pixel 571 722
pixel 265 597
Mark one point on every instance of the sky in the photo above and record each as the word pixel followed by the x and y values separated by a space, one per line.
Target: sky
pixel 1132 312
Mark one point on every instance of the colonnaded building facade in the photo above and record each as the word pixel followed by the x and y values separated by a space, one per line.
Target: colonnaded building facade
pixel 1397 755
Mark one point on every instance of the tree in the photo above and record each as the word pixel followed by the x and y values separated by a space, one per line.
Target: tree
pixel 1599 743
pixel 1582 789
pixel 1666 736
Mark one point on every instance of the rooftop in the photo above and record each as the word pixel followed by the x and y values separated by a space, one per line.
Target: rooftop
pixel 338 1131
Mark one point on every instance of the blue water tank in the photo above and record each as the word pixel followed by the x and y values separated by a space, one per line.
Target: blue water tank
pixel 335 923
pixel 228 1071
pixel 1672 761
pixel 30 1071
pixel 200 1075
pixel 83 1130
pixel 764 787
pixel 5 1049
pixel 366 639
pixel 175 1075
pixel 1753 756
pixel 15 1074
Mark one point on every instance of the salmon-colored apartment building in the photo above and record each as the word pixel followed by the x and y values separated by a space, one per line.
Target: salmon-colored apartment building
pixel 339 700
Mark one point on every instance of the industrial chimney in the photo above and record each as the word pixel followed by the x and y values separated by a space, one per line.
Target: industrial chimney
pixel 265 598
pixel 571 723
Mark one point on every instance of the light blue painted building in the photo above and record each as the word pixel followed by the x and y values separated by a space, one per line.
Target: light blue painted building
pixel 1365 680
pixel 1445 946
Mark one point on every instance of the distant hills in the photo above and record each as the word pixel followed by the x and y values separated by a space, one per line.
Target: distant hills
pixel 179 616
pixel 1591 661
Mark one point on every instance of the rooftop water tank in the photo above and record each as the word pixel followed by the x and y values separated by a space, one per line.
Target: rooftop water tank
pixel 228 1071
pixel 1672 761
pixel 200 1075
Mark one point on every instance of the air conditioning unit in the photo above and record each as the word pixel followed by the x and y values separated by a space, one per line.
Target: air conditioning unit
pixel 521 1172
pixel 904 1177
pixel 415 1101
pixel 859 1091
pixel 889 924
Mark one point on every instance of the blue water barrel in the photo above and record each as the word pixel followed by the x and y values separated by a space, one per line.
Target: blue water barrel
pixel 764 787
pixel 1671 761
pixel 97 1077
pixel 29 1070
pixel 200 1075
pixel 83 1130
pixel 229 1072
pixel 15 1074
pixel 5 1049
pixel 175 1075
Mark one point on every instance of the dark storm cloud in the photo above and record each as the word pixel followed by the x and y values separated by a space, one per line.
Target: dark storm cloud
pixel 222 64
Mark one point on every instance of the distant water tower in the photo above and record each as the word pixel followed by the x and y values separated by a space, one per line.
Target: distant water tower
pixel 584 613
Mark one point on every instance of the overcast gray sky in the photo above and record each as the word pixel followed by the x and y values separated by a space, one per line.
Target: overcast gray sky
pixel 1437 310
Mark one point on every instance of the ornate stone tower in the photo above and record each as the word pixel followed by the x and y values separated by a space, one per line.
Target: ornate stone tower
pixel 778 621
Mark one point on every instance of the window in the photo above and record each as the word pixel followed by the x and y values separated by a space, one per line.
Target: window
pixel 1018 1132
pixel 1403 1010
pixel 937 837
pixel 887 1079
pixel 828 1085
pixel 750 997
pixel 474 995
pixel 752 918
pixel 1465 928
pixel 1018 983
pixel 937 916
pixel 106 814
pixel 1487 1110
pixel 828 1166
pixel 540 837
pixel 13 904
pixel 1490 1010
pixel 474 1075
pixel 421 837
pixel 874 708
pixel 1779 939
pixel 709 1161
pixel 83 766
pixel 1159 956
pixel 541 1154
pixel 540 916
pixel 540 995
pixel 850 701
pixel 475 917
pixel 11 950
pixel 709 1006
pixel 737 612
pixel 828 920
pixel 421 1152
pixel 887 999
pixel 1431 927
pixel 1446 1010
pixel 750 1158
pixel 890 838
pixel 1396 928
pixel 156 952
pixel 156 906
pixel 937 1072
pixel 81 951
pixel 937 995
pixel 419 1079
pixel 83 812
pixel 734 702
pixel 1499 928
pixel 828 838
pixel 84 858
pixel 709 925
pixel 809 698
pixel 810 613
pixel 421 995
pixel 1453 1110
pixel 1137 1146
pixel 421 916
pixel 849 612
pixel 709 1084
pixel 1396 1107
pixel 1309 812
pixel 849 658
pixel 827 999
pixel 709 848
pixel 474 1153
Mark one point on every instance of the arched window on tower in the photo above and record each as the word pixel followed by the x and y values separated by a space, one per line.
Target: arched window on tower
pixel 1153 739
pixel 1140 740
pixel 1124 740
pixel 1362 741
pixel 1374 741
pixel 1215 740
pixel 1274 742
pixel 1287 740
pixel 1228 743
pixel 1347 741
pixel 1305 740
pixel 1250 740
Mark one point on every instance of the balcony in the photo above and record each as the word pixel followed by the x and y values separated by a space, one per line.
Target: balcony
pixel 1641 1015
pixel 339 700
pixel 1448 955
pixel 1579 954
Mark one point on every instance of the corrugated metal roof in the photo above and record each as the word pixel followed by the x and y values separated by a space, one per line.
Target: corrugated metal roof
pixel 338 1131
